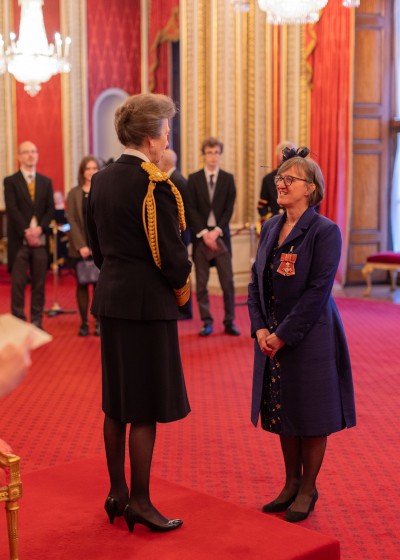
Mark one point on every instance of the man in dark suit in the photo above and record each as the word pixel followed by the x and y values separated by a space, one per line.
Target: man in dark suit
pixel 267 205
pixel 29 209
pixel 168 165
pixel 210 199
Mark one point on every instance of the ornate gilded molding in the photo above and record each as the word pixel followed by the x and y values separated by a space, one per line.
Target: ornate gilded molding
pixel 74 91
pixel 7 110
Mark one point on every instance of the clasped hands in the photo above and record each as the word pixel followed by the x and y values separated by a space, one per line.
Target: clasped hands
pixel 269 343
pixel 32 235
pixel 210 238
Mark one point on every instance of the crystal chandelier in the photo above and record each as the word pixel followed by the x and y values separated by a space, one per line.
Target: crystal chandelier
pixel 30 58
pixel 241 5
pixel 292 11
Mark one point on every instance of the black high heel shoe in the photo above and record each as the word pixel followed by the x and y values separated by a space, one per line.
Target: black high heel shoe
pixel 296 516
pixel 131 517
pixel 278 507
pixel 113 508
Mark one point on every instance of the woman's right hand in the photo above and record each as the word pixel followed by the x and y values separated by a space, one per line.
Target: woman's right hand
pixel 262 335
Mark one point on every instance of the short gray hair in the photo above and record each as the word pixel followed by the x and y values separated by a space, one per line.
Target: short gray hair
pixel 140 116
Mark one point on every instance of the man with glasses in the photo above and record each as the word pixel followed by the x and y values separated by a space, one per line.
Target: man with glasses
pixel 210 200
pixel 29 209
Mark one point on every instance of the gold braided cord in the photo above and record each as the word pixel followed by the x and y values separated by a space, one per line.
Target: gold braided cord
pixel 149 209
pixel 183 294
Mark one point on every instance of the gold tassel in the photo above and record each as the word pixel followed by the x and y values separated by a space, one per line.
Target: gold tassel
pixel 149 209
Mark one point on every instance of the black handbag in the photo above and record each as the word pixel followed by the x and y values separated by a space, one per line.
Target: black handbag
pixel 87 272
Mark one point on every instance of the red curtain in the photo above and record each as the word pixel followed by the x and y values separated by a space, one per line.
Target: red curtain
pixel 164 28
pixel 330 139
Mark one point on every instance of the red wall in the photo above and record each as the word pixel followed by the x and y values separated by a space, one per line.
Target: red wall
pixel 39 118
pixel 113 30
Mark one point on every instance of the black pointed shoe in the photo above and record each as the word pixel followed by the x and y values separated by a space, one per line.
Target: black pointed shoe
pixel 278 507
pixel 296 516
pixel 113 508
pixel 131 517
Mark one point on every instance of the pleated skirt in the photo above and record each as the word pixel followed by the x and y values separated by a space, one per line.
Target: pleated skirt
pixel 142 376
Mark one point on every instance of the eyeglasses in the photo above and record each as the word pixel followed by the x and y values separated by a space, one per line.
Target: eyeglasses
pixel 24 152
pixel 288 179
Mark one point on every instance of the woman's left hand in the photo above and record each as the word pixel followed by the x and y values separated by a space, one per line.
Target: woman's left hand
pixel 274 343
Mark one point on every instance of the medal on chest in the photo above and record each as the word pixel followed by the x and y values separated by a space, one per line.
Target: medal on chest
pixel 286 267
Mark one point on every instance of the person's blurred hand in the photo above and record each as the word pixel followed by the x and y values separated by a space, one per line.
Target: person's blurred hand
pixel 15 360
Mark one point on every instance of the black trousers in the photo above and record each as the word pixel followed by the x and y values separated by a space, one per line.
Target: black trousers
pixel 223 264
pixel 36 260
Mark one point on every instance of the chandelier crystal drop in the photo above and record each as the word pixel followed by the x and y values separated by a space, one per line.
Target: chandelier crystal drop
pixel 30 58
pixel 241 5
pixel 292 11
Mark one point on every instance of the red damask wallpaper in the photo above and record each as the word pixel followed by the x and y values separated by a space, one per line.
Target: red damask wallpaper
pixel 113 30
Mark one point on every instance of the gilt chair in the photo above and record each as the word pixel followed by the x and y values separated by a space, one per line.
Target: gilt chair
pixel 389 261
pixel 10 493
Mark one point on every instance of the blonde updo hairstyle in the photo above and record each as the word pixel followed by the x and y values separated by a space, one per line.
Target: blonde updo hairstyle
pixel 310 171
pixel 140 116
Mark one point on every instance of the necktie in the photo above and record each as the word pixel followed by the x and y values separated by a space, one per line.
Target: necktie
pixel 31 186
pixel 211 182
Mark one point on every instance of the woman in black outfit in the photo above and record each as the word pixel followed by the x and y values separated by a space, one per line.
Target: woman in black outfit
pixel 78 248
pixel 135 216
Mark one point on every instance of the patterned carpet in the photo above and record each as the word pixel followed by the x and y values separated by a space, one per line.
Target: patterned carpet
pixel 55 418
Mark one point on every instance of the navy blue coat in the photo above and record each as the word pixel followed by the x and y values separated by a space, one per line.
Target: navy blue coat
pixel 317 395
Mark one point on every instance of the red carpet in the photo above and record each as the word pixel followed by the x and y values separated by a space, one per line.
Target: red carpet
pixel 61 518
pixel 54 418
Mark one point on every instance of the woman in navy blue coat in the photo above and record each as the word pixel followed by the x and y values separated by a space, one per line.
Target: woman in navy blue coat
pixel 302 382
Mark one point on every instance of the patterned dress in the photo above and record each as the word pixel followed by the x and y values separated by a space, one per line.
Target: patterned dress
pixel 271 399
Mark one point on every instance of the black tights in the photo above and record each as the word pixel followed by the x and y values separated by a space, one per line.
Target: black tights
pixel 303 459
pixel 82 296
pixel 141 445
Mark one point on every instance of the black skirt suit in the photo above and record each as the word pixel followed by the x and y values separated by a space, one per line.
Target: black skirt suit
pixel 142 373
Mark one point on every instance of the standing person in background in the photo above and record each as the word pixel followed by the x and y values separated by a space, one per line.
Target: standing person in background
pixel 30 209
pixel 302 381
pixel 210 199
pixel 135 217
pixel 78 249
pixel 60 219
pixel 168 165
pixel 267 205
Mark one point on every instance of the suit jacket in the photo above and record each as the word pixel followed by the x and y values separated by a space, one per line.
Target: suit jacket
pixel 77 234
pixel 268 196
pixel 181 183
pixel 130 285
pixel 198 205
pixel 20 209
pixel 316 381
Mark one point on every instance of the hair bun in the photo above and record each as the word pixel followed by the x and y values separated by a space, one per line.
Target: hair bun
pixel 288 153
